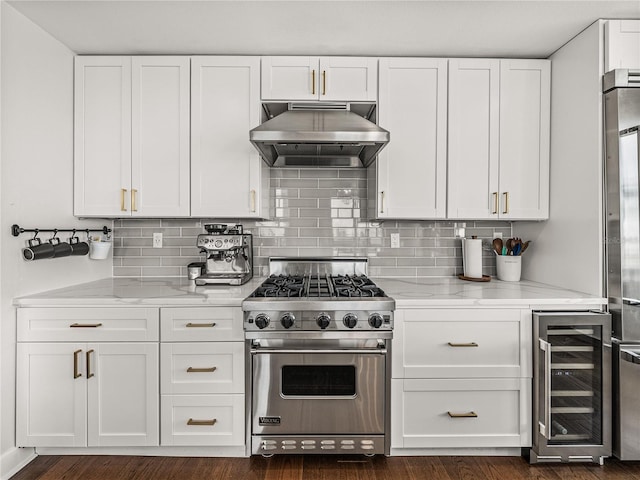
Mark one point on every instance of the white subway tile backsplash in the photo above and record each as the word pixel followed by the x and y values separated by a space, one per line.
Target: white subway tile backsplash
pixel 317 212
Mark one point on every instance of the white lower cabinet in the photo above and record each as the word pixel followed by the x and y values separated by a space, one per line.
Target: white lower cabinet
pixel 214 420
pixel 461 378
pixel 202 378
pixel 465 413
pixel 87 394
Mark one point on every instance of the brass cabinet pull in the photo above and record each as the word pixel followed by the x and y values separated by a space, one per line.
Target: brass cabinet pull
pixel 463 415
pixel 211 422
pixel 324 82
pixel 253 200
pixel 201 370
pixel 133 200
pixel 76 373
pixel 495 203
pixel 381 202
pixel 506 202
pixel 198 325
pixel 468 344
pixel 88 355
pixel 85 325
pixel 313 82
pixel 123 192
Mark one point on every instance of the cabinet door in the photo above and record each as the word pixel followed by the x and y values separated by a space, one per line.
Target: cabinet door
pixel 622 44
pixel 102 136
pixel 348 79
pixel 474 90
pixel 226 170
pixel 412 168
pixel 290 78
pixel 123 394
pixel 524 139
pixel 51 395
pixel 160 136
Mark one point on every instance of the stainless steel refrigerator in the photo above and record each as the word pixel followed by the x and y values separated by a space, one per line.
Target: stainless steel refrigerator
pixel 622 144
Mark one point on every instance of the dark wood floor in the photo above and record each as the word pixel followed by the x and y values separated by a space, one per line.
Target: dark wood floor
pixel 312 467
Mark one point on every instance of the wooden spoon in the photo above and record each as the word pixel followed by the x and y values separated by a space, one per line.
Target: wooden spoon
pixel 497 245
pixel 524 246
pixel 509 244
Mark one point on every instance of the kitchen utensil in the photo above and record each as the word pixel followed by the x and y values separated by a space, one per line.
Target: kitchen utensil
pixel 524 246
pixel 517 248
pixel 497 245
pixel 509 245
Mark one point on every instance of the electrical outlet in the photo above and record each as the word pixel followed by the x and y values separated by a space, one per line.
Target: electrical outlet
pixel 157 240
pixel 395 240
pixel 497 234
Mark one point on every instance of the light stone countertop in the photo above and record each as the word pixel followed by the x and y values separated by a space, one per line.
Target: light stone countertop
pixel 451 292
pixel 407 292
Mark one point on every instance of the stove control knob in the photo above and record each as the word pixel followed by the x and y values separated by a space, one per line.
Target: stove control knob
pixel 375 320
pixel 323 320
pixel 287 320
pixel 262 321
pixel 350 320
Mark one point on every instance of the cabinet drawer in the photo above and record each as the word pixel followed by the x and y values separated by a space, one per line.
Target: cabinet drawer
pixel 202 420
pixel 197 368
pixel 87 324
pixel 461 413
pixel 462 343
pixel 201 324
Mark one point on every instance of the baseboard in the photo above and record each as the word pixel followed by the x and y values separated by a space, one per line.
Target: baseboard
pixel 14 460
pixel 447 452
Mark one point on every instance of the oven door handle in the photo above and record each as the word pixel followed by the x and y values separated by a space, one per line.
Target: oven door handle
pixel 355 351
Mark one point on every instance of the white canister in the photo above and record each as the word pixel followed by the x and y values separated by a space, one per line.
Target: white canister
pixel 508 267
pixel 99 250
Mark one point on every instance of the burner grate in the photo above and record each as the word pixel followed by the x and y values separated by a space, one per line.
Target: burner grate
pixel 318 286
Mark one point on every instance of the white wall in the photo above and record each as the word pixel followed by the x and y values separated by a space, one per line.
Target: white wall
pixel 36 187
pixel 567 250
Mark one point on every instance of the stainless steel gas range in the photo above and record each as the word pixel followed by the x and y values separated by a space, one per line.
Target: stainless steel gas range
pixel 318 335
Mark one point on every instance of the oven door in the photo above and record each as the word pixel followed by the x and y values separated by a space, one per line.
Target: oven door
pixel 321 387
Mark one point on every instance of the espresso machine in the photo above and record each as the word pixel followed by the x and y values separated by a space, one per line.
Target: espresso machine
pixel 229 255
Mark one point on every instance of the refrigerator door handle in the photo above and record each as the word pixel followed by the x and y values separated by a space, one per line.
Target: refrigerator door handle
pixel 545 425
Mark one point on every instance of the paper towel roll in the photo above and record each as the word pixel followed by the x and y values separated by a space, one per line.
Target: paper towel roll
pixel 472 257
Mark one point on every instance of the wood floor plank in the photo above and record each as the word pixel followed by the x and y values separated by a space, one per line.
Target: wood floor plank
pixel 317 467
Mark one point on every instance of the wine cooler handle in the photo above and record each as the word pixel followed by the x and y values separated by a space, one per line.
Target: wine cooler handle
pixel 545 424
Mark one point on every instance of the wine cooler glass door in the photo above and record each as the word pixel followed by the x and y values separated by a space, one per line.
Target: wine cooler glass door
pixel 573 355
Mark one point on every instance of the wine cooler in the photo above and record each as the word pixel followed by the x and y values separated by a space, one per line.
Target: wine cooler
pixel 571 387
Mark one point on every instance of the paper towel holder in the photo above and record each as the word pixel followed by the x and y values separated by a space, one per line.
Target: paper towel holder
pixel 462 276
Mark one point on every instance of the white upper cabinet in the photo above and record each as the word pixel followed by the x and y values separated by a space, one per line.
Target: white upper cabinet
pixel 474 89
pixel 524 139
pixel 411 169
pixel 160 136
pixel 320 78
pixel 102 135
pixel 498 139
pixel 622 44
pixel 228 178
pixel 131 153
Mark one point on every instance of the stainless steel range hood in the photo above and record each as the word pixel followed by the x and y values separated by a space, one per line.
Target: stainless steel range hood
pixel 319 135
